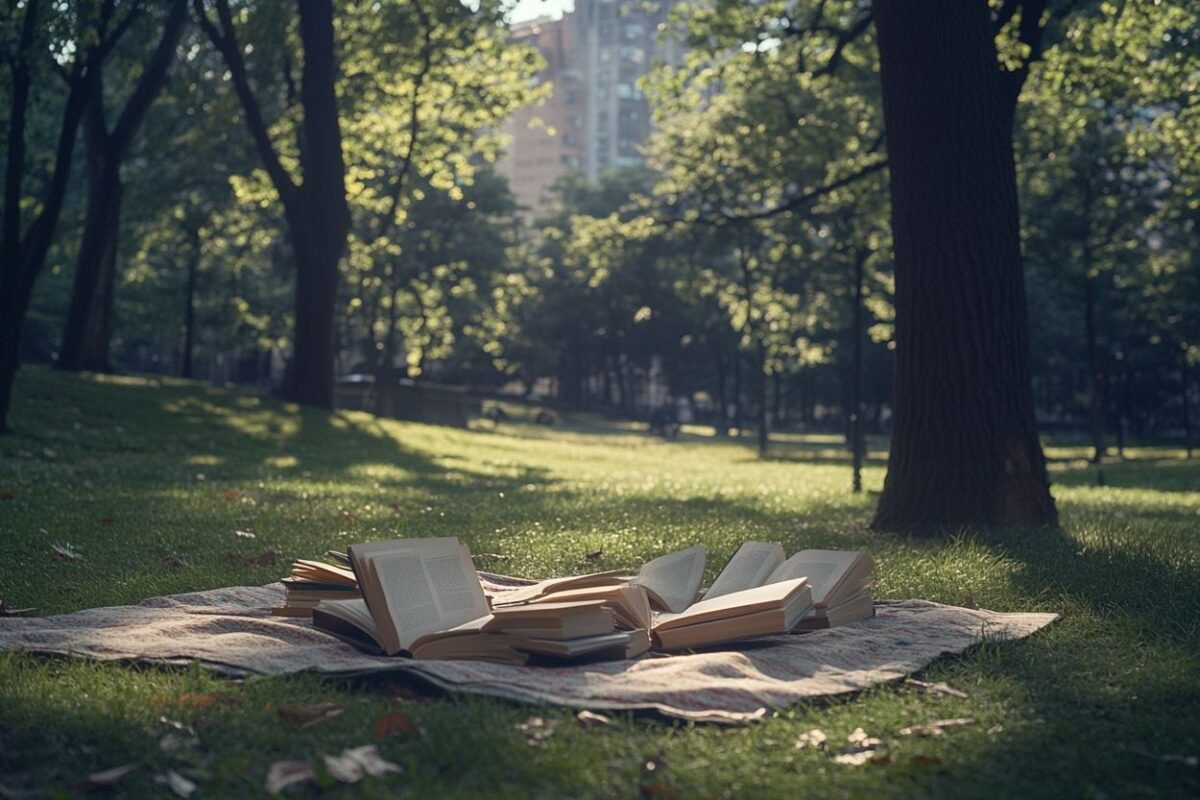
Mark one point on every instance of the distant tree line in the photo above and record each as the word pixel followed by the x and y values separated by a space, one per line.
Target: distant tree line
pixel 995 203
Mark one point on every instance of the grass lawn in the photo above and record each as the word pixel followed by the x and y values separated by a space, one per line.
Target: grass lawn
pixel 131 471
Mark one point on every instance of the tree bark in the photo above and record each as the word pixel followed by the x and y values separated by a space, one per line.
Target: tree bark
pixel 764 432
pixel 1186 379
pixel 965 449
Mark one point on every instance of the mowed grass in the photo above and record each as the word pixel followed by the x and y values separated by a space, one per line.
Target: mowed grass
pixel 131 471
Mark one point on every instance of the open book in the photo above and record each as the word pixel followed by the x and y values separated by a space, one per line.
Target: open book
pixel 760 611
pixel 839 579
pixel 422 597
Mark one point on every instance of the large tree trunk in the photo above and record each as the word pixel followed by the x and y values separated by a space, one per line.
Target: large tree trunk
pixel 320 224
pixel 965 447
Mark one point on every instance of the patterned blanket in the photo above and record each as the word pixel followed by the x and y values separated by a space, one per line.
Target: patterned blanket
pixel 231 631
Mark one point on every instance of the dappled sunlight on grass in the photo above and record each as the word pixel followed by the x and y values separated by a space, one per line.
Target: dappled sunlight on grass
pixel 133 472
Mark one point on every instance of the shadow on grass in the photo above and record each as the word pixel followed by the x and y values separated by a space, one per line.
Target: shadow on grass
pixel 1160 474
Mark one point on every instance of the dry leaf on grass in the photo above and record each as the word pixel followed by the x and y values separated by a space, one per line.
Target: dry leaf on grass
pixel 537 729
pixel 935 728
pixel 282 774
pixel 921 687
pixel 927 761
pixel 173 562
pixel 5 611
pixel 652 783
pixel 108 521
pixel 590 719
pixel 64 552
pixel 815 738
pixel 233 495
pixel 863 749
pixel 176 783
pixel 105 778
pixel 355 763
pixel 243 534
pixel 309 715
pixel 6 495
pixel 393 724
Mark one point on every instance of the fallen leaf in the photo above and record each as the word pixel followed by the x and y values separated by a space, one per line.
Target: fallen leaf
pixel 202 701
pixel 6 495
pixel 309 715
pixel 652 783
pixel 105 778
pixel 921 687
pixel 5 611
pixel 108 520
pixel 177 741
pixel 594 555
pixel 397 508
pixel 232 495
pixel 173 562
pixel 406 694
pixel 355 763
pixel 537 729
pixel 64 552
pixel 350 515
pixel 244 534
pixel 176 783
pixel 815 738
pixel 590 719
pixel 863 749
pixel 392 724
pixel 927 761
pixel 935 728
pixel 282 774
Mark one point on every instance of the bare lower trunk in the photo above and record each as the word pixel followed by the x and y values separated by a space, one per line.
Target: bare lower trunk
pixel 189 309
pixel 965 448
pixel 1096 375
pixel 856 405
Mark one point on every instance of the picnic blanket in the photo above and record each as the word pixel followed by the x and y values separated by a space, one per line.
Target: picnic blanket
pixel 232 632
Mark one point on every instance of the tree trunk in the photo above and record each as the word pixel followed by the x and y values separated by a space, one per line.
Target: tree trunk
pixel 86 331
pixel 1186 378
pixel 189 309
pixel 764 432
pixel 1096 375
pixel 856 405
pixel 965 448
pixel 737 391
pixel 722 425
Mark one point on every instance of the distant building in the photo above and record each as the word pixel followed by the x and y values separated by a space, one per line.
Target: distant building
pixel 596 117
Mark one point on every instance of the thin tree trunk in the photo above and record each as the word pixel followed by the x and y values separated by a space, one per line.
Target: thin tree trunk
pixel 722 425
pixel 1186 379
pixel 764 432
pixel 1096 373
pixel 737 390
pixel 189 309
pixel 856 405
pixel 965 448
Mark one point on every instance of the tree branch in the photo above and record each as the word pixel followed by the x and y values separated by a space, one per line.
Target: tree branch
pixel 808 195
pixel 151 81
pixel 224 37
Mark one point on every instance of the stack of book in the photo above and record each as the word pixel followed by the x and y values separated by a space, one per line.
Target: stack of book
pixel 310 582
pixel 422 598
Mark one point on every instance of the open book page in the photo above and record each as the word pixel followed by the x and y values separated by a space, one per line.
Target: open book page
pixel 540 589
pixel 827 571
pixel 362 558
pixel 734 604
pixel 426 591
pixel 673 580
pixel 350 621
pixel 749 567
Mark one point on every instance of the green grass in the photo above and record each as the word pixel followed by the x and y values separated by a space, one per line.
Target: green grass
pixel 130 471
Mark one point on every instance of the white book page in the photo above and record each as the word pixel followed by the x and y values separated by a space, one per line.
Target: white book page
pixel 750 566
pixel 675 578
pixel 823 568
pixel 429 591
